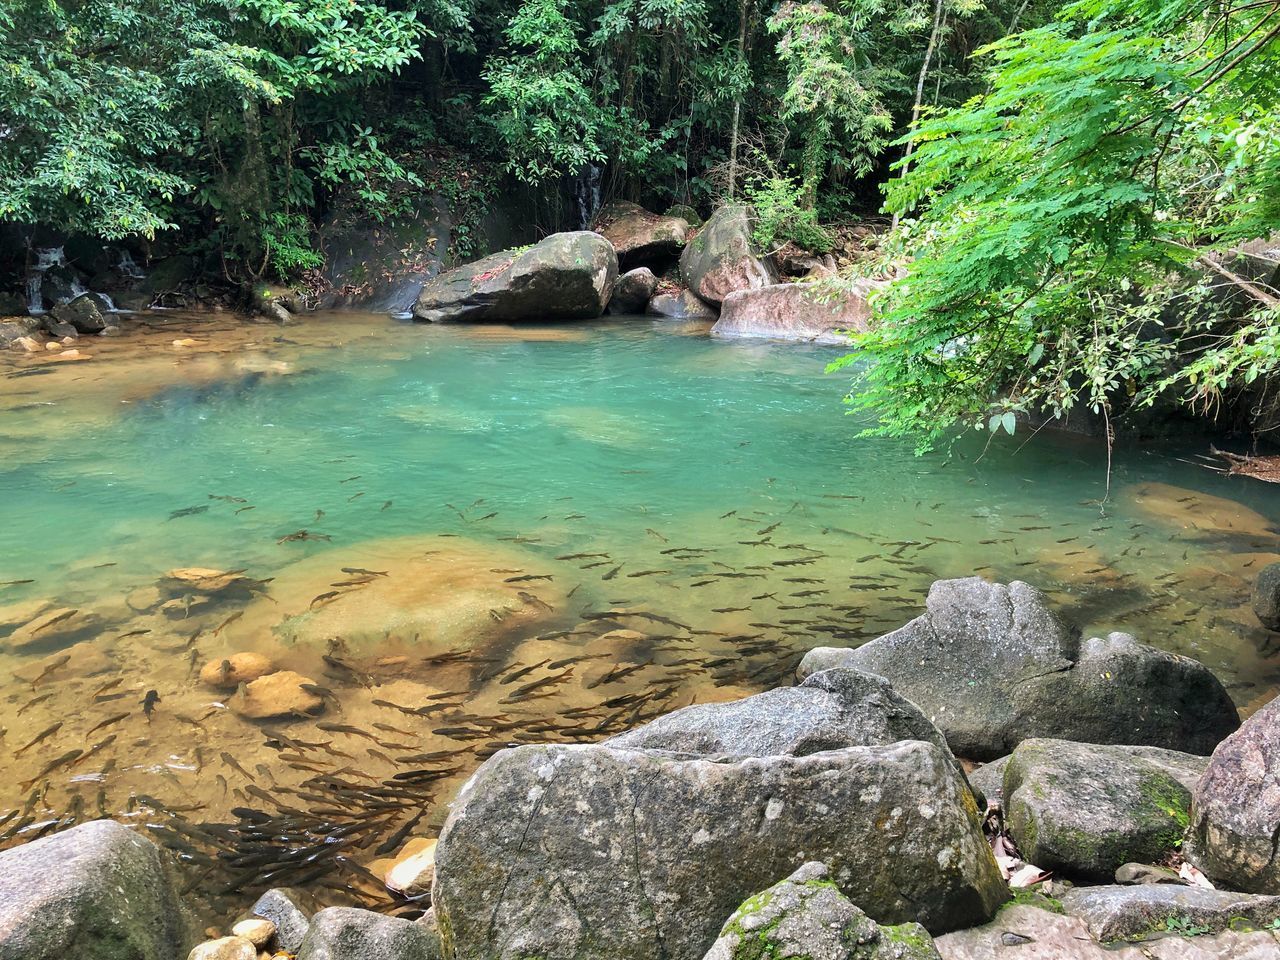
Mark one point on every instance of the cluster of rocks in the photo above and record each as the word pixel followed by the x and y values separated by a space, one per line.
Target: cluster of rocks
pixel 59 330
pixel 673 266
pixel 830 820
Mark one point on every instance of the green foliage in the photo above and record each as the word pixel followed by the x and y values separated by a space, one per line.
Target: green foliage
pixel 782 215
pixel 1056 213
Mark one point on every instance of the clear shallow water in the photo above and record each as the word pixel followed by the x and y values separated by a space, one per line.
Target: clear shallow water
pixel 717 487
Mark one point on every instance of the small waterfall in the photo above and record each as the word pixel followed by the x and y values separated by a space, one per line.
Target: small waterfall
pixel 586 193
pixel 128 267
pixel 46 259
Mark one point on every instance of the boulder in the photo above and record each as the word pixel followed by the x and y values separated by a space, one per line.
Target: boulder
pixel 206 582
pixel 632 291
pixel 639 236
pixel 347 933
pixel 813 312
pixel 290 910
pixel 1266 596
pixel 590 851
pixel 807 916
pixel 568 276
pixel 1235 807
pixel 1085 810
pixel 84 313
pixel 224 948
pixel 411 875
pixel 685 213
pixel 98 891
pixel 1131 913
pixel 282 694
pixel 828 711
pixel 679 306
pixel 988 781
pixel 991 665
pixel 14 329
pixel 1132 874
pixel 723 258
pixel 227 673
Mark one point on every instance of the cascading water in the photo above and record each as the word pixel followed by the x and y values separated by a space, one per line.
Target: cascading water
pixel 46 259
pixel 128 267
pixel 586 193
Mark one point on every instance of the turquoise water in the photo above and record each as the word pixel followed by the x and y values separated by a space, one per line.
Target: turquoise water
pixel 722 481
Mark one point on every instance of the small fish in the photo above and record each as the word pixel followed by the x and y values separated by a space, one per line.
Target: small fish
pixel 303 535
pixel 55 665
pixel 149 703
pixel 243 509
pixel 43 735
pixel 529 576
pixel 188 511
pixel 612 573
pixel 385 506
pixel 349 479
pixel 31 703
pixel 230 761
pixel 363 572
pixel 226 499
pixel 106 723
pixel 656 534
pixel 52 765
pixel 227 622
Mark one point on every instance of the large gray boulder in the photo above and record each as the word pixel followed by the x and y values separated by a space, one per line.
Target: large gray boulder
pixel 1131 913
pixel 639 236
pixel 568 276
pixel 991 665
pixel 723 258
pixel 828 711
pixel 98 891
pixel 290 910
pixel 1084 810
pixel 813 312
pixel 1266 596
pixel 85 314
pixel 633 290
pixel 348 933
pixel 807 916
pixel 599 853
pixel 1235 809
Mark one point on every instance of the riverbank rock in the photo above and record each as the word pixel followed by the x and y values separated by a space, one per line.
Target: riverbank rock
pixel 1085 810
pixel 723 258
pixel 283 694
pixel 590 852
pixel 15 329
pixel 633 290
pixel 224 948
pixel 1131 913
pixel 347 933
pixel 84 313
pixel 1266 596
pixel 290 911
pixel 987 781
pixel 256 930
pixel 828 711
pixel 640 237
pixel 1235 809
pixel 98 891
pixel 227 673
pixel 807 916
pixel 679 306
pixel 814 312
pixel 568 276
pixel 685 213
pixel 991 665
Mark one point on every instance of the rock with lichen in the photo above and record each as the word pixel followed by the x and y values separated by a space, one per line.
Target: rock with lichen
pixel 1085 810
pixel 807 916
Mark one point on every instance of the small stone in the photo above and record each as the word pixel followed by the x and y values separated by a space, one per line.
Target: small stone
pixel 290 910
pixel 206 581
pixel 224 948
pixel 280 694
pixel 53 345
pixel 256 930
pixel 1132 874
pixel 1010 939
pixel 227 673
pixel 411 876
pixel 1266 596
pixel 29 344
pixel 184 342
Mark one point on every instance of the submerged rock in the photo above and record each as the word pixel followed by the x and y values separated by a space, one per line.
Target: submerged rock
pixel 632 291
pixel 807 916
pixel 346 933
pixel 679 306
pixel 256 930
pixel 1131 913
pixel 290 911
pixel 282 694
pixel 1235 809
pixel 815 312
pixel 84 313
pixel 991 666
pixel 224 948
pixel 638 235
pixel 411 875
pixel 205 581
pixel 98 891
pixel 597 852
pixel 15 329
pixel 227 673
pixel 1266 596
pixel 55 629
pixel 723 258
pixel 1197 514
pixel 568 276
pixel 1085 810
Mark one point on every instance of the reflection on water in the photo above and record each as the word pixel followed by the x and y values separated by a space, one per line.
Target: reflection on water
pixel 440 541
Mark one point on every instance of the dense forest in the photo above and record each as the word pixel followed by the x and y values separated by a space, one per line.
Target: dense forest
pixel 1054 174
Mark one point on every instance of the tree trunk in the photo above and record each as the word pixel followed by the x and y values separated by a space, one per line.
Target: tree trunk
pixel 743 17
pixel 916 107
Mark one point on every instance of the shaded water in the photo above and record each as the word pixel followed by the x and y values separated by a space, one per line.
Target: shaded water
pixel 467 537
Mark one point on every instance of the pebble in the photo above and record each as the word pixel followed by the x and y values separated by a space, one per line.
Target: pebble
pixel 411 876
pixel 224 948
pixel 227 673
pixel 257 931
pixel 277 695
